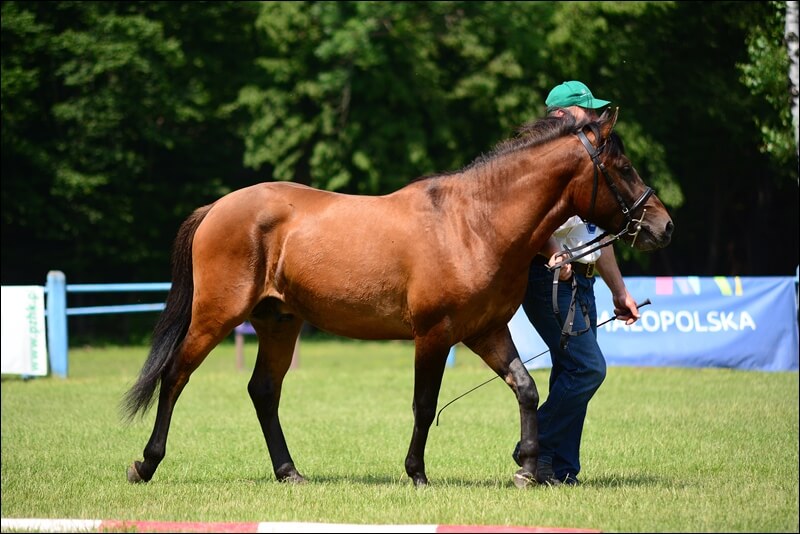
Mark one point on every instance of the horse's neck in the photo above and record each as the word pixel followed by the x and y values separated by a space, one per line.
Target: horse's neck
pixel 525 196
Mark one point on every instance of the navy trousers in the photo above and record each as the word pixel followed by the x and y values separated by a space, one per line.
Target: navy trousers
pixel 577 371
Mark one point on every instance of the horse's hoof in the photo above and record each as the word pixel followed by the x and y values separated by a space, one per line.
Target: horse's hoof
pixel 524 479
pixel 294 478
pixel 133 474
pixel 287 473
pixel 420 481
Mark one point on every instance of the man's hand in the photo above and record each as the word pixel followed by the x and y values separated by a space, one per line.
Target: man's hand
pixel 566 270
pixel 625 308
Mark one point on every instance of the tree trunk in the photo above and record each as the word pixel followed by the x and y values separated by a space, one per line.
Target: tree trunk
pixel 792 48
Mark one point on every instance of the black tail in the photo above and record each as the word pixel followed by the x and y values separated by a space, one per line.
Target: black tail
pixel 172 325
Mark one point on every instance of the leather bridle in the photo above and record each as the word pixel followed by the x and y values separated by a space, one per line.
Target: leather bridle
pixel 596 243
pixel 600 168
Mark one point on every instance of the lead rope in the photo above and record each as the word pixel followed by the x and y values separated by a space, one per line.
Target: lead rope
pixel 642 305
pixel 568 323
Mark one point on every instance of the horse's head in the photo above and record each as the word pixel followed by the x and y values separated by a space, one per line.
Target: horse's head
pixel 613 195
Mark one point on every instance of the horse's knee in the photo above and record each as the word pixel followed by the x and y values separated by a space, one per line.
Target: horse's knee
pixel 528 394
pixel 523 385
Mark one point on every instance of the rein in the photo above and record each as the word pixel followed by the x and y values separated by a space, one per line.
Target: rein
pixel 590 247
pixel 642 305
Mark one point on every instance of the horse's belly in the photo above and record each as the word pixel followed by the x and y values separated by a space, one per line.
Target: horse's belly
pixel 344 282
pixel 353 319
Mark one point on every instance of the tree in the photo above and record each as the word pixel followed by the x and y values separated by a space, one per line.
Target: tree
pixel 108 108
pixel 363 96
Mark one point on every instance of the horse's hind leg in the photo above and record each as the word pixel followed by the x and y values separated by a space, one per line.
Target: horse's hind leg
pixel 498 351
pixel 277 335
pixel 429 362
pixel 197 344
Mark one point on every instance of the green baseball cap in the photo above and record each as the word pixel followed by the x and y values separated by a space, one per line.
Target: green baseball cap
pixel 573 93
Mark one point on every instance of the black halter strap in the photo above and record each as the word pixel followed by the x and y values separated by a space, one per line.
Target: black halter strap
pixel 594 153
pixel 567 324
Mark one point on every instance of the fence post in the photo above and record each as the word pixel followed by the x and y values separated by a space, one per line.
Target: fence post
pixel 57 322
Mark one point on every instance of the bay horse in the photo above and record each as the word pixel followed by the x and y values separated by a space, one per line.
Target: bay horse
pixel 440 261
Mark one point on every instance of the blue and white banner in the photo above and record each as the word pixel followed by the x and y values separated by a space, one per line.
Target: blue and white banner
pixel 734 322
pixel 24 345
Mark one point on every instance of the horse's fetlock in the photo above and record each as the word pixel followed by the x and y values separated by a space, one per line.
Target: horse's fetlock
pixel 415 469
pixel 154 455
pixel 137 473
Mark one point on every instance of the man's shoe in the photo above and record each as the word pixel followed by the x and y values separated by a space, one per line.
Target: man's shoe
pixel 566 480
pixel 570 480
pixel 545 474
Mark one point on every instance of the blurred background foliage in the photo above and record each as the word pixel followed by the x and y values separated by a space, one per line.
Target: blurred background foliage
pixel 119 118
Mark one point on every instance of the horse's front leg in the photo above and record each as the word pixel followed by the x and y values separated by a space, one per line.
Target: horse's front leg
pixel 429 362
pixel 498 351
pixel 277 336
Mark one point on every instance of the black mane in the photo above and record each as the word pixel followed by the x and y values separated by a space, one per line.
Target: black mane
pixel 539 132
pixel 531 134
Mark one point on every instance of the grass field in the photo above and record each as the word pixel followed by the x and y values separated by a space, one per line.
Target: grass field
pixel 665 450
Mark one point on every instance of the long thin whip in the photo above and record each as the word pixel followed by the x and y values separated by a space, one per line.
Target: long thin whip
pixel 642 305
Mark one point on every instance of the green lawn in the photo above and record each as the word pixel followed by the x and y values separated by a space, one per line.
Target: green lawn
pixel 665 450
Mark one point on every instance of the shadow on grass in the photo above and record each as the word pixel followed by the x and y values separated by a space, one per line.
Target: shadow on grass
pixel 609 482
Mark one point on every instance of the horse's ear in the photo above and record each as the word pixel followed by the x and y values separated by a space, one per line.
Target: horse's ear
pixel 608 119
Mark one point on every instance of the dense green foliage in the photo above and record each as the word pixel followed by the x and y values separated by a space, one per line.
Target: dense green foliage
pixel 664 450
pixel 119 118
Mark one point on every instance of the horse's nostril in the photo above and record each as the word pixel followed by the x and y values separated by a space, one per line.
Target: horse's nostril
pixel 669 228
